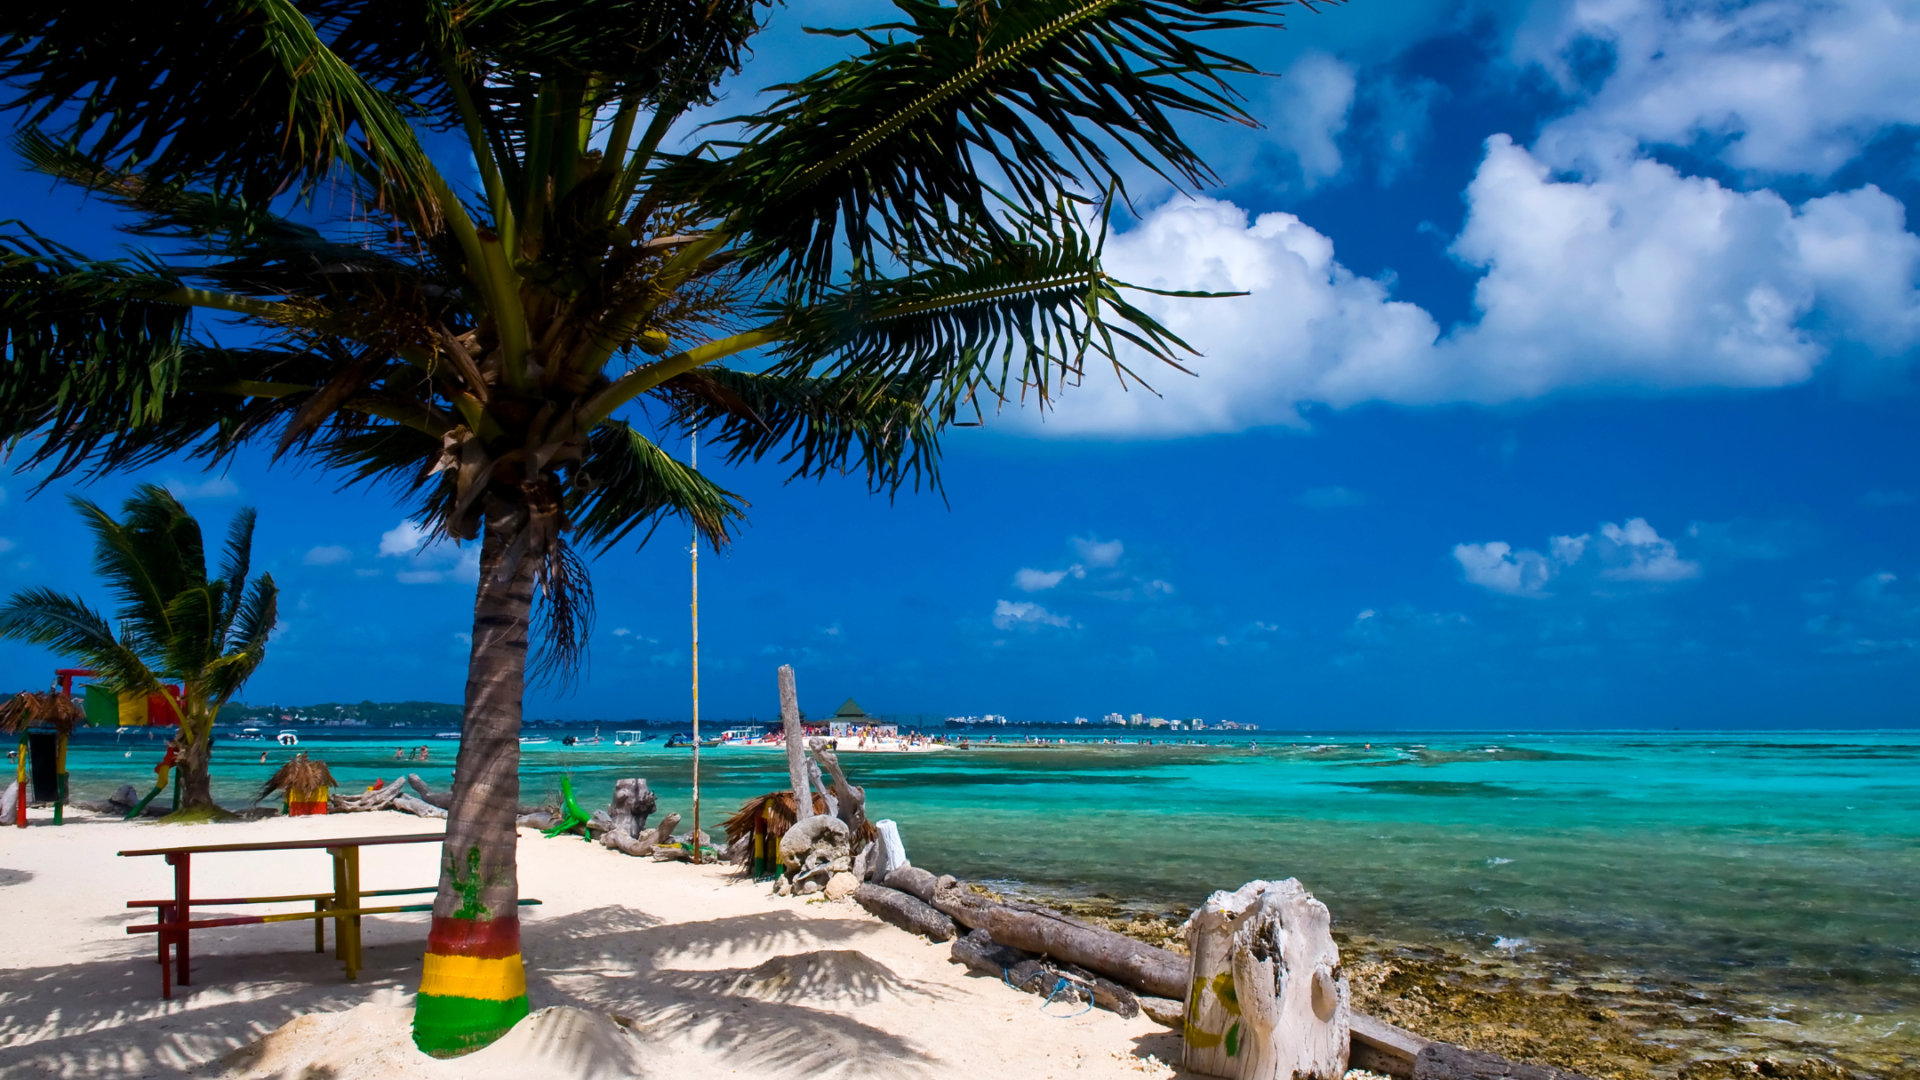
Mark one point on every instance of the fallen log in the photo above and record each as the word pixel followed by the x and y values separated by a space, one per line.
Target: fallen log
pixel 1131 963
pixel 1445 1061
pixel 1380 1047
pixel 417 807
pixel 904 911
pixel 441 799
pixel 1036 975
pixel 912 879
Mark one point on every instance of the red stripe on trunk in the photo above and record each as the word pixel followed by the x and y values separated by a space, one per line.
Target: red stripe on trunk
pixel 488 939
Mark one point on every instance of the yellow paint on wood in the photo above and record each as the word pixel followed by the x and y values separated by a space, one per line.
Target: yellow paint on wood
pixel 501 979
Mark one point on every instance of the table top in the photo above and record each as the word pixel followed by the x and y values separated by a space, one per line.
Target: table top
pixel 295 845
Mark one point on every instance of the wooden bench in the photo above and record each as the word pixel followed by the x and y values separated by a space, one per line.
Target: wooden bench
pixel 344 904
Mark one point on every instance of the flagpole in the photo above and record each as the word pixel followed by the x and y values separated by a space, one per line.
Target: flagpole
pixel 694 456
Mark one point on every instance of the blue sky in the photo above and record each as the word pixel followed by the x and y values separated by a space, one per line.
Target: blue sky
pixel 1574 388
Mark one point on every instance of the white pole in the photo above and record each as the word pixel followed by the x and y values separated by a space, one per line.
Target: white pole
pixel 694 457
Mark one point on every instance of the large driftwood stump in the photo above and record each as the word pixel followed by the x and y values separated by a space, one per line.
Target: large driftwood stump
pixel 1267 999
pixel 796 757
pixel 633 804
pixel 892 854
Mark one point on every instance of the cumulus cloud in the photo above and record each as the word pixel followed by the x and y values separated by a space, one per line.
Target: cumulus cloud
pixel 326 555
pixel 1028 580
pixel 1311 103
pixel 430 560
pixel 1600 268
pixel 1630 552
pixel 1011 614
pixel 1775 87
pixel 1099 553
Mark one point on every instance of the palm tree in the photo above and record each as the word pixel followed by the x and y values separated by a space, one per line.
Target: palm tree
pixel 176 624
pixel 893 244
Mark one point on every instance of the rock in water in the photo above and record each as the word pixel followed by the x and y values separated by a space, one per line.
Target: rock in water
pixel 1444 1061
pixel 841 885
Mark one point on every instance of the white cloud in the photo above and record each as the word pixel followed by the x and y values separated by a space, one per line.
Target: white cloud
pixel 1028 580
pixel 1496 566
pixel 1008 614
pixel 1633 552
pixel 1310 106
pixel 1777 87
pixel 1099 553
pixel 430 559
pixel 326 555
pixel 403 539
pixel 622 632
pixel 214 487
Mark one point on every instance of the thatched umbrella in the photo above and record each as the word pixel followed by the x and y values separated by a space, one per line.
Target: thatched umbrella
pixel 305 782
pixel 47 708
pixel 767 818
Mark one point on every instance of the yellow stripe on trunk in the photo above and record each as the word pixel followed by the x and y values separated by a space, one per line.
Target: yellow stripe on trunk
pixel 501 979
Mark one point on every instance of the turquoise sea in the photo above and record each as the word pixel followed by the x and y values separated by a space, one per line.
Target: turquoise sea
pixel 1776 873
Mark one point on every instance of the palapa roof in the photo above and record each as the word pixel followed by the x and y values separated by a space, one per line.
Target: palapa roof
pixel 852 711
pixel 51 708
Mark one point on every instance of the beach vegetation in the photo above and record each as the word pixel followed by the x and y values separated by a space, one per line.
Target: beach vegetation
pixel 467 251
pixel 193 638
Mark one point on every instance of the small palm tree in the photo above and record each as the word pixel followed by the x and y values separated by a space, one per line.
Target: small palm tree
pixel 209 635
pixel 893 244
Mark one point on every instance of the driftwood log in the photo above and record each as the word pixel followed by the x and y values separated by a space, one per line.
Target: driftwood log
pixel 908 913
pixel 1380 1047
pixel 850 801
pixel 441 799
pixel 889 852
pixel 912 879
pixel 1444 1061
pixel 1212 1009
pixel 1132 963
pixel 796 738
pixel 664 833
pixel 1037 975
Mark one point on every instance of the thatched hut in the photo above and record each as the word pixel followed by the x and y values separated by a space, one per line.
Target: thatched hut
pixel 47 751
pixel 306 783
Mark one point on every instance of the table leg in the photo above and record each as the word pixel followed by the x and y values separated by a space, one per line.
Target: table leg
pixel 353 892
pixel 339 903
pixel 319 927
pixel 182 888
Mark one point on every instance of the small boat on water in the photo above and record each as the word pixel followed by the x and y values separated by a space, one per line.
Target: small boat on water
pixel 534 740
pixel 250 734
pixel 685 739
pixel 288 738
pixel 448 735
pixel 630 738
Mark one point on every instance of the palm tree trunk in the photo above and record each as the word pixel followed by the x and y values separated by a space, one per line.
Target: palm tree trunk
pixel 196 777
pixel 474 986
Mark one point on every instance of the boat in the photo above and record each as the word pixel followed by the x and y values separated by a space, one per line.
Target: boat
pixel 533 740
pixel 448 735
pixel 250 734
pixel 630 738
pixel 685 738
pixel 740 736
pixel 289 738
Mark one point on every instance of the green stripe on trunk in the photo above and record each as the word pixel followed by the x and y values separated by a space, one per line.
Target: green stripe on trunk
pixel 448 1027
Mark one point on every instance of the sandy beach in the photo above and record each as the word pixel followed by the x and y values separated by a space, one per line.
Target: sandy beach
pixel 689 959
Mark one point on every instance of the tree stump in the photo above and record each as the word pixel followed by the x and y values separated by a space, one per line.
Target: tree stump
pixel 1268 1000
pixel 892 853
pixel 632 805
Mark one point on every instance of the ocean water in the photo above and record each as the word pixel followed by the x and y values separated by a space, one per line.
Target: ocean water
pixel 1779 872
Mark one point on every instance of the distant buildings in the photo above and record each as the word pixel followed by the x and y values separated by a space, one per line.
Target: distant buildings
pixel 1112 719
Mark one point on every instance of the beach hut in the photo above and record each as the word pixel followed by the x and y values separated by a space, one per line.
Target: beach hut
pixel 45 750
pixel 305 782
pixel 851 719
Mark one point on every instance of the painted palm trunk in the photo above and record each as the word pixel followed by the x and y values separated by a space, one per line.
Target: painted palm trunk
pixel 474 985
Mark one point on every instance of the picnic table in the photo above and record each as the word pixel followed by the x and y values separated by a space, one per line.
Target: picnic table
pixel 344 905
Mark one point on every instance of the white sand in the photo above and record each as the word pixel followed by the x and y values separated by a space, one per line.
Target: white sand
pixel 636 968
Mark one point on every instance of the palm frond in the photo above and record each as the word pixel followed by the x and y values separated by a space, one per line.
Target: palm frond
pixel 234 562
pixel 66 625
pixel 128 83
pixel 246 642
pixel 624 481
pixel 882 152
pixel 876 426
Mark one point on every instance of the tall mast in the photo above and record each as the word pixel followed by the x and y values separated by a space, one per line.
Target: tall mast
pixel 694 458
